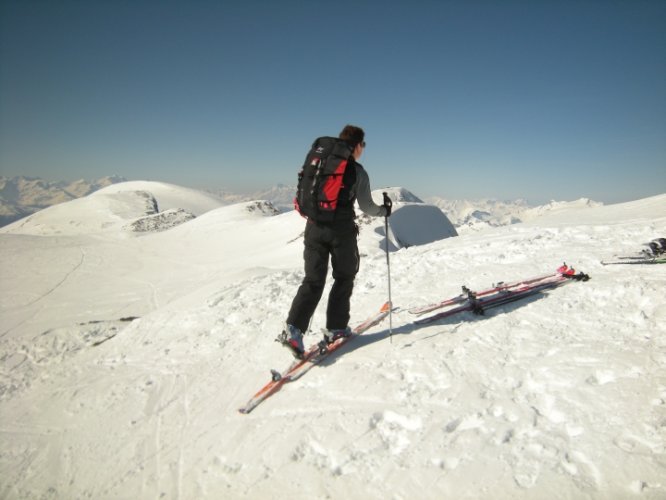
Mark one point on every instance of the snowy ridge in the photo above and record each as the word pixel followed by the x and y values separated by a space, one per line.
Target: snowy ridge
pixel 478 215
pixel 22 196
pixel 137 206
pixel 168 196
pixel 561 396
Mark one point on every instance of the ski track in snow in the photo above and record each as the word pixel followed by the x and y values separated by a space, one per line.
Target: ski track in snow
pixel 558 396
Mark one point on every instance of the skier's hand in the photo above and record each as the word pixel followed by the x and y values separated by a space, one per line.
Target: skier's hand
pixel 388 205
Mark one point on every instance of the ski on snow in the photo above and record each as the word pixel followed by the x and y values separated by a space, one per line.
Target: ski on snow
pixel 478 302
pixel 655 253
pixel 499 287
pixel 495 298
pixel 312 356
pixel 654 260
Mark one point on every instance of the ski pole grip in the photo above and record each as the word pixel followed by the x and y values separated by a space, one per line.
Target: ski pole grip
pixel 387 203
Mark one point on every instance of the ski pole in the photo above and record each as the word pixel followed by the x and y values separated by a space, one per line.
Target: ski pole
pixel 388 204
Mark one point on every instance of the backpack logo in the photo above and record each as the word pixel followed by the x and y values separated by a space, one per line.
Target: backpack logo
pixel 321 179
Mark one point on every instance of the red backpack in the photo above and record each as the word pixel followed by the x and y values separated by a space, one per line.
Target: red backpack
pixel 321 179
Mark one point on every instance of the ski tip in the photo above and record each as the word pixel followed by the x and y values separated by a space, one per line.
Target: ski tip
pixel 386 307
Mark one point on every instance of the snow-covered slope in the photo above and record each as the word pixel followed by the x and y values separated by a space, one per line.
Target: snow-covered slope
pixel 124 362
pixel 168 196
pixel 137 206
pixel 478 215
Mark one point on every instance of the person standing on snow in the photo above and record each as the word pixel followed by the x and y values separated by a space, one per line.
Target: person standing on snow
pixel 337 240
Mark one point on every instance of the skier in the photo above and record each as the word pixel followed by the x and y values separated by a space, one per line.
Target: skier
pixel 336 239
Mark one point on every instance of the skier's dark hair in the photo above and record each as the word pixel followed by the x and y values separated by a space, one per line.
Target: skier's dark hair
pixel 352 135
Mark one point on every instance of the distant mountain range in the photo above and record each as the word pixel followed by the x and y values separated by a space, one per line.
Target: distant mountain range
pixel 476 215
pixel 22 196
pixel 465 215
pixel 280 196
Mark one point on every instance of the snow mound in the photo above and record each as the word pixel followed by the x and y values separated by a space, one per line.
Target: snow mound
pixel 137 206
pixel 412 222
pixel 92 214
pixel 168 196
pixel 419 224
pixel 233 214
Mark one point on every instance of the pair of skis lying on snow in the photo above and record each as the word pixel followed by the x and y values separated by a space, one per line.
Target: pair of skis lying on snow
pixel 476 302
pixel 655 253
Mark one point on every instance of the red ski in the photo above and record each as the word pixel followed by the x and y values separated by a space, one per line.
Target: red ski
pixel 499 287
pixel 311 357
pixel 478 305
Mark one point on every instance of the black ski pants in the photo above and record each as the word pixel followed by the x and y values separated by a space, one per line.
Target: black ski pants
pixel 339 241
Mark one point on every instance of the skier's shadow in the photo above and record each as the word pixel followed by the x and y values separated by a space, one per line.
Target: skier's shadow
pixel 455 320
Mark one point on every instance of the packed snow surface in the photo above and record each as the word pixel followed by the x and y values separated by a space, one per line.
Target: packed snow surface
pixel 126 355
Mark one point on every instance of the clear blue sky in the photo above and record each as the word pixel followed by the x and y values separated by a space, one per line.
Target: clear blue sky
pixel 460 99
